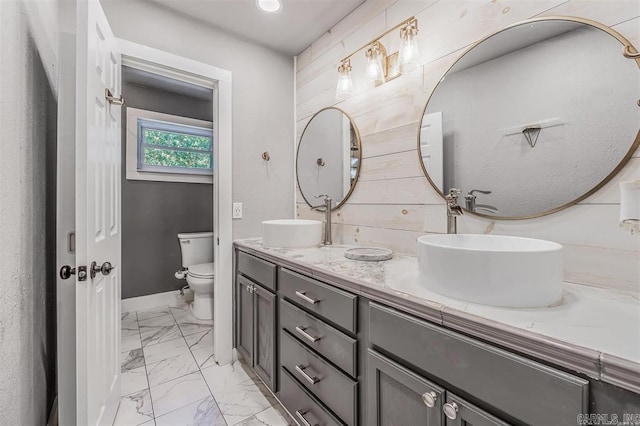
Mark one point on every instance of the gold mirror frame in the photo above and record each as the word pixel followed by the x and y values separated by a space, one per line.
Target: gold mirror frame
pixel 626 47
pixel 358 141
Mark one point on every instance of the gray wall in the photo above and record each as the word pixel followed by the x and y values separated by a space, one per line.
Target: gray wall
pixel 27 212
pixel 154 212
pixel 263 106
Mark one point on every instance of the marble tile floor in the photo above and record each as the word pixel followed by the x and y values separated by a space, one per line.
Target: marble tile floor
pixel 169 377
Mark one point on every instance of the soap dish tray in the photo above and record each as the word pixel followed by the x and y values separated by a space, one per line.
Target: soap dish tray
pixel 371 254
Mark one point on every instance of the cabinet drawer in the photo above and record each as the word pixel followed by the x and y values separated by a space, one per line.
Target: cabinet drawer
pixel 334 305
pixel 337 391
pixel 328 341
pixel 262 272
pixel 529 391
pixel 301 403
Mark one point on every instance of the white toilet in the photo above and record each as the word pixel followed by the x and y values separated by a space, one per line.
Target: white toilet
pixel 197 259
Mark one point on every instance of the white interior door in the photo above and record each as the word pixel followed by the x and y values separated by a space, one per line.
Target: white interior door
pixel 92 396
pixel 431 147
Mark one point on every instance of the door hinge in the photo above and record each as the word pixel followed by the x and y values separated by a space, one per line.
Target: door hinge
pixel 218 240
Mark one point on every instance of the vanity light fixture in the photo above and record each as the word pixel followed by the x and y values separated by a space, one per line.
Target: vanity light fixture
pixel 409 54
pixel 382 67
pixel 376 54
pixel 270 6
pixel 345 83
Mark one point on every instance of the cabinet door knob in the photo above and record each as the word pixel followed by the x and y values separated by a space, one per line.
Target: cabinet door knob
pixel 429 399
pixel 450 410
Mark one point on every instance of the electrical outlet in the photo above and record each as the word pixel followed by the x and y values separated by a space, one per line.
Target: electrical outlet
pixel 237 211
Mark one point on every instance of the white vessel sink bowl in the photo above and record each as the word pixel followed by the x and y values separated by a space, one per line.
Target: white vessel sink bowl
pixel 291 233
pixel 492 270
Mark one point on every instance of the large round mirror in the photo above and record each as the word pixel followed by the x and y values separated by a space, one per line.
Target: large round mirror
pixel 328 161
pixel 532 119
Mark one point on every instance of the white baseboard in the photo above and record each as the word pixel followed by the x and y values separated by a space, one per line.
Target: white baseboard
pixel 171 298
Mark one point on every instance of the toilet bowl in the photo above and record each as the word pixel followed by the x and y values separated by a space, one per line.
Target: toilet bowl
pixel 200 278
pixel 197 261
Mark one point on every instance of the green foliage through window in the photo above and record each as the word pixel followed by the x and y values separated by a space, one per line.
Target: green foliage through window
pixel 165 146
pixel 169 158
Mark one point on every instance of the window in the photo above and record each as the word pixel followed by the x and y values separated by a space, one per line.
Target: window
pixel 163 147
pixel 174 148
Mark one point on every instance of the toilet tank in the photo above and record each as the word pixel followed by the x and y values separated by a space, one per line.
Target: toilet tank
pixel 196 248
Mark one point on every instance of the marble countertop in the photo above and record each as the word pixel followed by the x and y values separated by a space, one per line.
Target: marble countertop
pixel 593 331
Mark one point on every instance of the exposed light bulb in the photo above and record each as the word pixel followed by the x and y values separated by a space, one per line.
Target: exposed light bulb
pixel 269 5
pixel 409 56
pixel 374 72
pixel 345 83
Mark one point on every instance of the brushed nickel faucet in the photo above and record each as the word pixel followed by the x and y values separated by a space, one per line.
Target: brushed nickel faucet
pixel 327 218
pixel 453 210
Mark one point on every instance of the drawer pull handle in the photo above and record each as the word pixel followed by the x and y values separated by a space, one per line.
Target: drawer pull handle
pixel 303 295
pixel 300 415
pixel 303 333
pixel 312 380
pixel 450 410
pixel 429 399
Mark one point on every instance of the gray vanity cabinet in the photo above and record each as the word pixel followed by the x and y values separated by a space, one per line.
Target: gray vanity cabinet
pixel 397 396
pixel 256 316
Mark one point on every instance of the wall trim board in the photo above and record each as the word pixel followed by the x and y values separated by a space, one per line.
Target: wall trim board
pixel 149 301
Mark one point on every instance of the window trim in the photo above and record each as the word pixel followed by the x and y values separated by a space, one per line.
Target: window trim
pixel 157 173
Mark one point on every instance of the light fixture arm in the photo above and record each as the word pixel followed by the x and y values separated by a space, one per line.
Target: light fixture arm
pixel 377 39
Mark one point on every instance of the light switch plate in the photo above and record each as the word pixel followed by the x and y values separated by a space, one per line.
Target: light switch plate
pixel 237 211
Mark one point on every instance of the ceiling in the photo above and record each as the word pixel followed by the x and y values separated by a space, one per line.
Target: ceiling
pixel 289 31
pixel 166 84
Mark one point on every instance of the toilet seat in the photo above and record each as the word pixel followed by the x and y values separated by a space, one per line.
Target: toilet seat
pixel 202 270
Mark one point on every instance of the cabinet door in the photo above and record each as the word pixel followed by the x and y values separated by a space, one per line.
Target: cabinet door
pixel 265 336
pixel 397 397
pixel 244 300
pixel 459 412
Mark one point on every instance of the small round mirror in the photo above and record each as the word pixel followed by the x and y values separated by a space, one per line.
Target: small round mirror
pixel 329 155
pixel 533 119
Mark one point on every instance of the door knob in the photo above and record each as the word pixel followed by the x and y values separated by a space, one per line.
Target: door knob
pixel 105 269
pixel 66 271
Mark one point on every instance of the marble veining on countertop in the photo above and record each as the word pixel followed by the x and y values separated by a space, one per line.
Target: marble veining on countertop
pixel 599 324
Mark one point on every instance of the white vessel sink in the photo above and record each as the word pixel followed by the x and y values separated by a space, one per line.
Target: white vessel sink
pixel 492 269
pixel 291 233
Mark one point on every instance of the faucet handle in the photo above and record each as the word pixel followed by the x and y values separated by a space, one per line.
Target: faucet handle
pixel 453 194
pixel 480 191
pixel 321 196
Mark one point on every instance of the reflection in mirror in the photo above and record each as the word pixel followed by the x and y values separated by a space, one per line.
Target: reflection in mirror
pixel 328 160
pixel 533 119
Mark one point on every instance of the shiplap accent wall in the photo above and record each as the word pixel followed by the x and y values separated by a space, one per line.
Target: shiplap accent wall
pixel 393 203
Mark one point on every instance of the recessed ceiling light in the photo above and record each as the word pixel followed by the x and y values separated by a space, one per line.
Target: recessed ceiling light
pixel 269 5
